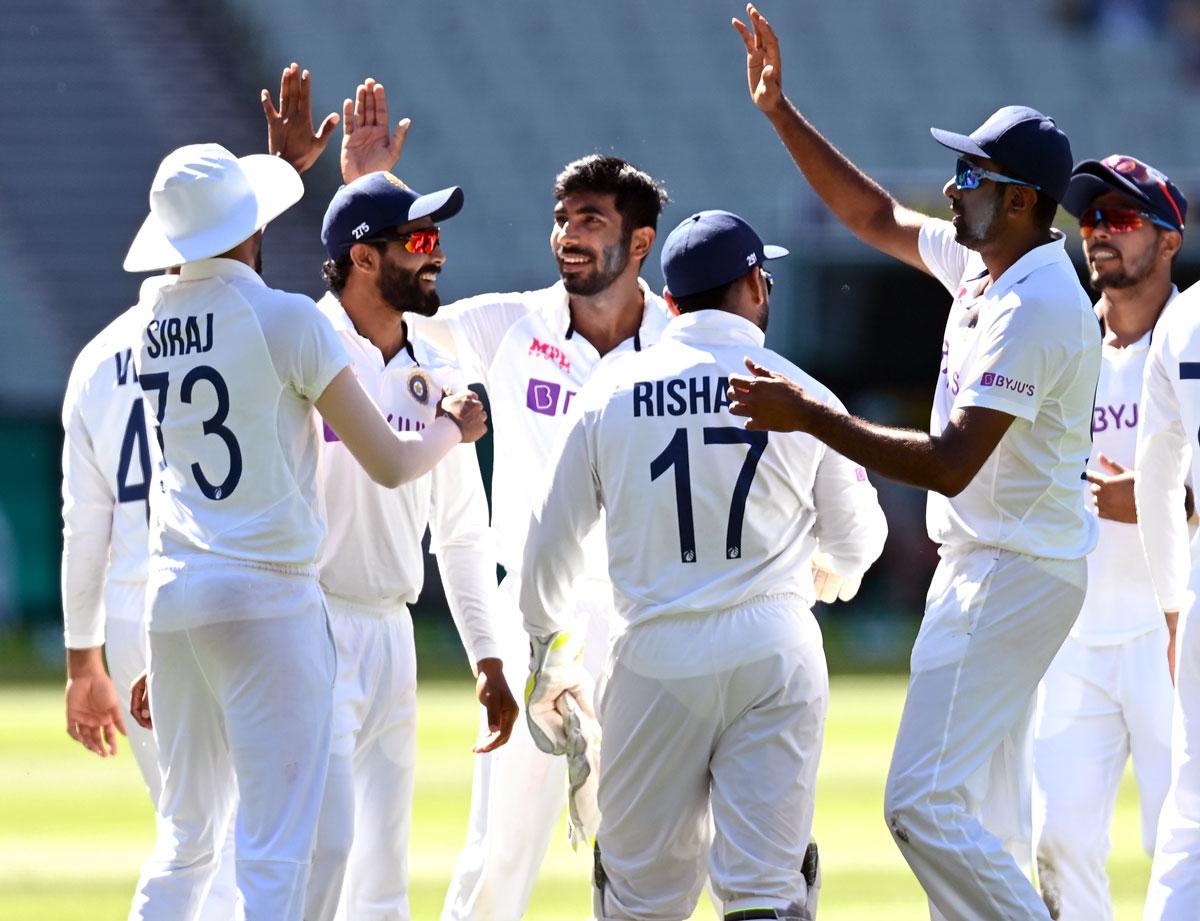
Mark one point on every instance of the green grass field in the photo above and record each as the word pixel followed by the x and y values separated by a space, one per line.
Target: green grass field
pixel 73 829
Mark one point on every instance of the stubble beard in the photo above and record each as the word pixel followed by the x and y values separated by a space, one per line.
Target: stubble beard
pixel 1130 275
pixel 985 226
pixel 613 260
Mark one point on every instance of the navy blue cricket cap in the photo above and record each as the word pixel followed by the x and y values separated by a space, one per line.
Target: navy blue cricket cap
pixel 710 249
pixel 1028 144
pixel 1131 177
pixel 377 202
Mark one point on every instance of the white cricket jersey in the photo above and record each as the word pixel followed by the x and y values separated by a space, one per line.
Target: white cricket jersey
pixel 230 369
pixel 701 514
pixel 372 554
pixel 1028 346
pixel 525 350
pixel 1169 420
pixel 106 477
pixel 1120 603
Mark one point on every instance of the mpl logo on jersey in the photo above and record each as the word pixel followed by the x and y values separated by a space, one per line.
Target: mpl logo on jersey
pixel 547 397
pixel 550 353
pixel 1020 388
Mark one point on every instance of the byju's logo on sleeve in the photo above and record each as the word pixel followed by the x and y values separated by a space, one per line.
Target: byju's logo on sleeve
pixel 1020 388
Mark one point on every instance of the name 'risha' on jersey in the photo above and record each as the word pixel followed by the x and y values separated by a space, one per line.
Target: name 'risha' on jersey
pixel 681 396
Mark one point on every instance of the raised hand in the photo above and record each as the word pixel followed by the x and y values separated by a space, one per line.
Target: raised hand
pixel 368 145
pixel 289 128
pixel 768 401
pixel 94 712
pixel 468 414
pixel 764 71
pixel 1113 491
pixel 493 693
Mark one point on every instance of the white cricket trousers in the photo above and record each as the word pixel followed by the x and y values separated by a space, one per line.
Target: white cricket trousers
pixel 241 712
pixel 723 709
pixel 1174 893
pixel 958 798
pixel 518 793
pixel 1097 706
pixel 367 815
pixel 126 647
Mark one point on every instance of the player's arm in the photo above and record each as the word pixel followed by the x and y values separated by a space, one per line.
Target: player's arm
pixel 568 509
pixel 1163 454
pixel 471 330
pixel 859 202
pixel 553 558
pixel 93 708
pixel 459 536
pixel 944 463
pixel 390 457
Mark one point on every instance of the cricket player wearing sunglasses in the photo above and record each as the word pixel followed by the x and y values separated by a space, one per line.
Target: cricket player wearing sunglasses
pixel 1009 438
pixel 1107 694
pixel 384 258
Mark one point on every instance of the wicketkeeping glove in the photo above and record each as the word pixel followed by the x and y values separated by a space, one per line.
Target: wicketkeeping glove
pixel 583 771
pixel 828 584
pixel 555 669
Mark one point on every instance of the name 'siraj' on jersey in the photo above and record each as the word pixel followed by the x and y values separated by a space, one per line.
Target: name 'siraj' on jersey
pixel 179 336
pixel 680 396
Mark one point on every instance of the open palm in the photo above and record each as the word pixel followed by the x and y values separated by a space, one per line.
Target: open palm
pixel 368 144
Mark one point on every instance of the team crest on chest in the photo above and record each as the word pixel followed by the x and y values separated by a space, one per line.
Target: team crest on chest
pixel 419 386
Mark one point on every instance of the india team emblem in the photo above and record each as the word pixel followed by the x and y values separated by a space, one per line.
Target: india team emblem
pixel 418 386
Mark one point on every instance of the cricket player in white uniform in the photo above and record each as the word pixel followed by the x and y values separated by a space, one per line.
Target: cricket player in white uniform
pixel 716 688
pixel 241 661
pixel 1004 457
pixel 106 502
pixel 1166 458
pixel 534 351
pixel 384 258
pixel 1107 694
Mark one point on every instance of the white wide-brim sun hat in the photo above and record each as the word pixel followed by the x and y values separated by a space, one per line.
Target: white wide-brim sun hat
pixel 204 201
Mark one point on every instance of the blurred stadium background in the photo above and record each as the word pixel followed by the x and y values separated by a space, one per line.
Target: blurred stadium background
pixel 95 92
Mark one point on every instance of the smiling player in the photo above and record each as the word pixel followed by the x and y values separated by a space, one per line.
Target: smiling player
pixel 1007 443
pixel 1107 694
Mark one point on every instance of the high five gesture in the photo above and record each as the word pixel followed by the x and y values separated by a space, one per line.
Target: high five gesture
pixel 763 71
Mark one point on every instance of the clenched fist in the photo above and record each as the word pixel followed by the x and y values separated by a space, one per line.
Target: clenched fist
pixel 468 414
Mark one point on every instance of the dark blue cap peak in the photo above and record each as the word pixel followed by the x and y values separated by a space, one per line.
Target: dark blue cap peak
pixel 376 202
pixel 710 249
pixel 1026 143
pixel 1131 177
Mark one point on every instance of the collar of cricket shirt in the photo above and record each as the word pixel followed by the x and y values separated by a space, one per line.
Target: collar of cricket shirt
pixel 704 324
pixel 219 268
pixel 1036 258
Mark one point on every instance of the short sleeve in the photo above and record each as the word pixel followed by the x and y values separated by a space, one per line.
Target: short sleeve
pixel 304 346
pixel 1011 367
pixel 946 258
pixel 478 326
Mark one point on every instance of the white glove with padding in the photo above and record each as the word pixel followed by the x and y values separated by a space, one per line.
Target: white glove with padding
pixel 583 771
pixel 830 586
pixel 555 669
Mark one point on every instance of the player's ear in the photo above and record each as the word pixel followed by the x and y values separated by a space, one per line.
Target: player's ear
pixel 641 242
pixel 1169 242
pixel 364 257
pixel 1021 198
pixel 672 307
pixel 756 286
